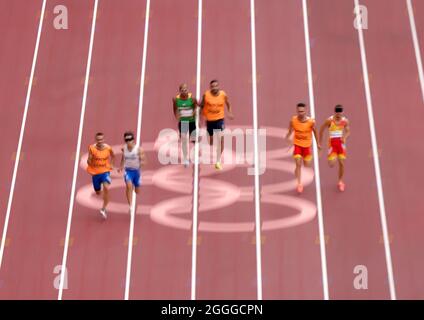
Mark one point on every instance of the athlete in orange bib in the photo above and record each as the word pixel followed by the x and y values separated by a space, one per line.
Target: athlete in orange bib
pixel 100 160
pixel 213 106
pixel 303 127
pixel 338 131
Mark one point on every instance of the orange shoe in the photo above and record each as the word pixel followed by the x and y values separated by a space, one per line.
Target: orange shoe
pixel 341 186
pixel 299 188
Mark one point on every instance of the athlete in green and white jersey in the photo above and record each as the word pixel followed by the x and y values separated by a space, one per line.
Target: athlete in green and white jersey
pixel 184 106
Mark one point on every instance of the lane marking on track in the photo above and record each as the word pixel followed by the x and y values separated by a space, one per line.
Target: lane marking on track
pixel 139 119
pixel 316 162
pixel 256 154
pixel 22 132
pixel 375 149
pixel 416 45
pixel 196 155
pixel 78 150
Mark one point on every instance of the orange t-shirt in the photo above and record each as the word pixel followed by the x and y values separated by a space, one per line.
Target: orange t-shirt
pixel 302 131
pixel 214 106
pixel 100 160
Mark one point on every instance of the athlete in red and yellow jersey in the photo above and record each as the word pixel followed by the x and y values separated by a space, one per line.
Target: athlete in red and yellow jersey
pixel 338 131
pixel 213 106
pixel 303 127
pixel 100 160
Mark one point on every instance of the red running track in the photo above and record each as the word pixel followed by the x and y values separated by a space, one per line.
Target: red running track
pixel 39 210
pixel 15 63
pixel 226 262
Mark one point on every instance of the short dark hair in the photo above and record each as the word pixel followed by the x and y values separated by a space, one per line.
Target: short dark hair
pixel 99 134
pixel 214 80
pixel 301 105
pixel 128 133
pixel 338 108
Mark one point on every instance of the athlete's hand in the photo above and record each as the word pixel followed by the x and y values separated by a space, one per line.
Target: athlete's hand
pixel 230 115
pixel 289 141
pixel 119 170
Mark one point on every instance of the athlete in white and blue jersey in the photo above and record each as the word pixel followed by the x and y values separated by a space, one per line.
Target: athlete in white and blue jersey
pixel 133 158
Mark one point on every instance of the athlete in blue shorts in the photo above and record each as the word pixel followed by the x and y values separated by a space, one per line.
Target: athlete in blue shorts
pixel 133 158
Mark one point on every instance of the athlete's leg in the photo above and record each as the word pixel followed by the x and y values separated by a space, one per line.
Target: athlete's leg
pixel 331 162
pixel 341 169
pixel 298 169
pixel 105 186
pixel 128 191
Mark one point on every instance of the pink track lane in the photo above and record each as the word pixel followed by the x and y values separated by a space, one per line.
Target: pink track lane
pixel 291 256
pixel 226 264
pixel 337 69
pixel 98 249
pixel 419 22
pixel 39 211
pixel 399 111
pixel 161 267
pixel 18 42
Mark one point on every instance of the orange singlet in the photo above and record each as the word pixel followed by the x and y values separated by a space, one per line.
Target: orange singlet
pixel 100 162
pixel 214 106
pixel 302 131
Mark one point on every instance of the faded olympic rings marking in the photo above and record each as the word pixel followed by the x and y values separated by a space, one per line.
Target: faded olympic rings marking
pixel 214 194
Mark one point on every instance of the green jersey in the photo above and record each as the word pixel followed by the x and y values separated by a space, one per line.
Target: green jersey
pixel 185 108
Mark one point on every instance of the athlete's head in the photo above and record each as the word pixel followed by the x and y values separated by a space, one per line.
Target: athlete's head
pixel 183 89
pixel 129 137
pixel 100 139
pixel 301 110
pixel 214 86
pixel 338 111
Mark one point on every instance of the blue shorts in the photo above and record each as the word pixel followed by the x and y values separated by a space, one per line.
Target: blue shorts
pixel 211 126
pixel 133 176
pixel 99 179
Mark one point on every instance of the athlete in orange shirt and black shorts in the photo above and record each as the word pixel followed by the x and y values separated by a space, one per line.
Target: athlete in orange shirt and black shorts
pixel 303 127
pixel 100 160
pixel 338 131
pixel 213 106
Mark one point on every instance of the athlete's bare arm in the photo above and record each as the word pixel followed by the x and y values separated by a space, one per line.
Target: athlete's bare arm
pixel 288 135
pixel 121 165
pixel 174 106
pixel 90 157
pixel 230 109
pixel 202 105
pixel 112 158
pixel 314 130
pixel 195 107
pixel 346 132
pixel 324 126
pixel 142 155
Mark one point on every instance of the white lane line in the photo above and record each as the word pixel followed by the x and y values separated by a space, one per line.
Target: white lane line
pixel 140 113
pixel 416 44
pixel 376 162
pixel 196 156
pixel 256 150
pixel 22 132
pixel 316 162
pixel 77 156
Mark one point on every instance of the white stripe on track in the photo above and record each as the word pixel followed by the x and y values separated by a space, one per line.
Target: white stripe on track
pixel 21 134
pixel 316 162
pixel 140 113
pixel 256 151
pixel 416 44
pixel 77 155
pixel 196 156
pixel 380 192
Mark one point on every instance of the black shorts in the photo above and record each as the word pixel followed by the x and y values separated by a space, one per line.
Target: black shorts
pixel 186 126
pixel 215 125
